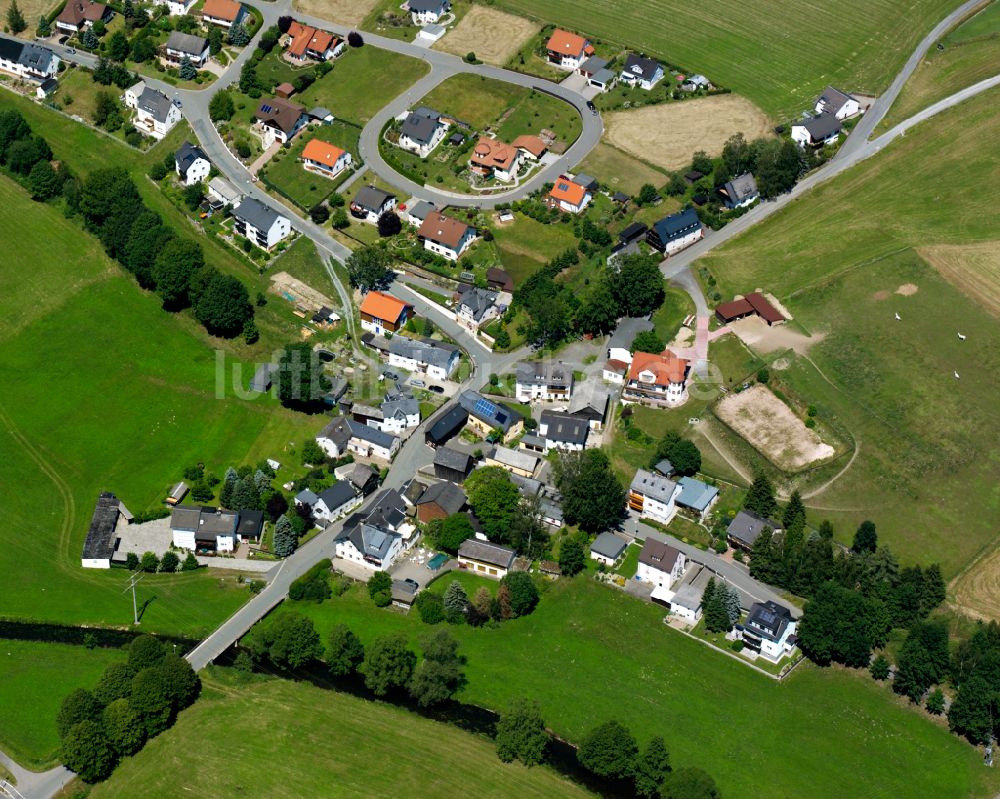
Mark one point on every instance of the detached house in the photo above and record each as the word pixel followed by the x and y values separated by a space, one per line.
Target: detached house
pixel 475 306
pixel 531 147
pixel 280 119
pixel 223 13
pixel 656 379
pixel 675 232
pixel 817 132
pixel 740 191
pixel 567 50
pixel 769 630
pixel 484 557
pixel 263 226
pixel 370 203
pixel 490 418
pixel 176 8
pixel 422 131
pixel 660 564
pixel 434 358
pixel 336 501
pixel 445 236
pixel 79 14
pixel 696 496
pixel 440 501
pixel 155 114
pixel 427 12
pixel 381 312
pixel 492 158
pixel 590 402
pixel 652 496
pixel 204 528
pixel 325 159
pixel 840 104
pixel 398 414
pixel 369 546
pixel 28 61
pixel 746 527
pixel 191 164
pixel 308 43
pixel 344 435
pixel 641 71
pixel 185 45
pixel 563 431
pixel 543 380
pixel 568 196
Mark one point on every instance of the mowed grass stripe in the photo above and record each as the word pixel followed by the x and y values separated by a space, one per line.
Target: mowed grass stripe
pixel 777 54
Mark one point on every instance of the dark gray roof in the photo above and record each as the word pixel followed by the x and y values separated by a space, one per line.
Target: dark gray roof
pixel 477 300
pixel 626 331
pixel 833 99
pixel 419 125
pixel 633 232
pixel 768 620
pixel 185 517
pixel 593 64
pixel 155 103
pixel 321 113
pixel 423 350
pixel 609 545
pixel 35 57
pixel 427 5
pixel 821 126
pixel 337 431
pixel 412 490
pixel 215 522
pixel 187 43
pixel 677 226
pixel 492 413
pixel 187 154
pixel 447 496
pixel 742 188
pixel 388 511
pixel 251 523
pixel 552 512
pixel 370 540
pixel 400 408
pixel 452 459
pixel 590 400
pixel 603 76
pixel 448 424
pixel 420 209
pixel 641 67
pixel 371 199
pixel 100 541
pixel 340 493
pixel 403 591
pixel 587 181
pixel 654 486
pixel 486 552
pixel 747 526
pixel 664 467
pixel 306 497
pixel 359 475
pixel 255 213
pixel 548 372
pixel 565 427
pixel 370 434
pixel 528 486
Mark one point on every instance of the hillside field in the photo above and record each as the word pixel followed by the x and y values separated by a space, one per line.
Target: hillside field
pixel 929 441
pixel 779 55
pixel 292 739
pixel 590 653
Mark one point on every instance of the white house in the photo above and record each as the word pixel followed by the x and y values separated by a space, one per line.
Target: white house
pixel 434 358
pixel 191 164
pixel 336 501
pixel 324 158
pixel 370 203
pixel 280 119
pixel 132 95
pixel 656 379
pixel 740 192
pixel 568 196
pixel 46 88
pixel 696 496
pixel 608 548
pixel 224 13
pixel 769 630
pixel 422 131
pixel 652 496
pixel 641 71
pixel 186 45
pixel 176 8
pixel 369 546
pixel 427 12
pixel 224 192
pixel 204 528
pixel 155 115
pixel 675 232
pixel 486 558
pixel 492 158
pixel 563 431
pixel 543 380
pixel 475 307
pixel 660 564
pixel 445 236
pixel 399 414
pixel 840 104
pixel 567 50
pixel 29 61
pixel 261 225
pixel 817 132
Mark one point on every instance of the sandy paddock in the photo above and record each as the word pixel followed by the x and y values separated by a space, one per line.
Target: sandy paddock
pixel 495 37
pixel 769 425
pixel 757 335
pixel 668 134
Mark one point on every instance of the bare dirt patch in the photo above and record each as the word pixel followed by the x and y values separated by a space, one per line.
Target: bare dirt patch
pixel 346 12
pixel 974 269
pixel 666 135
pixel 907 289
pixel 495 37
pixel 881 295
pixel 769 426
pixel 977 590
pixel 755 333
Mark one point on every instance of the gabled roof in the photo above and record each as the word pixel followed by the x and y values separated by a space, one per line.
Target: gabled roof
pixel 370 434
pixel 420 209
pixel 305 37
pixel 187 43
pixel 565 427
pixel 100 541
pixel 590 400
pixel 677 225
pixel 477 300
pixel 384 306
pixel 768 620
pixel 499 278
pixel 155 103
pixel 447 496
pixel 633 232
pixel 515 458
pixel 337 431
pixel 251 523
pixel 322 152
pixel 443 230
pixel 741 188
pixel 493 154
pixel 747 526
pixel 340 493
pixel 609 545
pixel 426 5
pixel 420 125
pixel 641 67
pixel 256 214
pixel 225 189
pixel 187 154
pixel 530 144
pixel 371 199
pixel 565 190
pixel 279 112
pixel 822 126
pixel 76 12
pixel 221 9
pixel 389 510
pixel 449 458
pixel 400 408
pixel 544 372
pixel 215 522
pixel 659 555
pixel 306 497
pixel 593 64
pixel 448 423
pixel 666 368
pixel 567 43
pixel 370 540
pixel 486 552
pixel 653 486
pixel 34 57
pixel 492 413
pixel 424 350
pixel 695 494
pixel 833 99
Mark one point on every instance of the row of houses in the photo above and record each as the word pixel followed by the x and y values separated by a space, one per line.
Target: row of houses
pixel 28 61
pixel 423 356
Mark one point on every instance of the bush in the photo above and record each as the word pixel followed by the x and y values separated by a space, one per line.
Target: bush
pixel 354 39
pixel 763 376
pixel 170 562
pixel 430 606
pixel 523 593
pixel 314 585
pixel 158 171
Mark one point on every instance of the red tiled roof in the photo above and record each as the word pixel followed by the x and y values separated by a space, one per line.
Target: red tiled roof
pixel 565 190
pixel 76 12
pixel 322 153
pixel 493 154
pixel 383 306
pixel 442 229
pixel 531 144
pixel 306 38
pixel 666 367
pixel 221 9
pixel 566 43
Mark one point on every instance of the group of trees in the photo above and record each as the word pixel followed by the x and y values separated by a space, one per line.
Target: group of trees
pixel 301 382
pixel 634 288
pixel 314 585
pixel 504 515
pixel 592 495
pixel 169 563
pixel 133 701
pixel 370 268
pixel 721 606
pixel 683 454
pixel 250 82
pixel 27 158
pixel 175 268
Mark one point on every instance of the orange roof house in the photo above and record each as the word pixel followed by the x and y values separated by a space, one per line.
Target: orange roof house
pixel 323 153
pixel 382 312
pixel 225 10
pixel 567 195
pixel 491 155
pixel 309 42
pixel 665 368
pixel 565 45
pixel 532 145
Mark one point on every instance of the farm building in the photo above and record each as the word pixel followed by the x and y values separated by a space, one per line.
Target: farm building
pixel 753 304
pixel 102 540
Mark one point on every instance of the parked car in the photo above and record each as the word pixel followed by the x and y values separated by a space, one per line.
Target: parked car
pixel 592 107
pixel 70 50
pixel 437 389
pixel 418 383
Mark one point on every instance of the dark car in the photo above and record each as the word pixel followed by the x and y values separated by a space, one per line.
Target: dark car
pixel 437 389
pixel 414 583
pixel 592 107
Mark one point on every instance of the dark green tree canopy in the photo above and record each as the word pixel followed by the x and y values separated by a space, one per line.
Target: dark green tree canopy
pixel 301 379
pixel 637 286
pixel 592 495
pixel 370 268
pixel 609 750
pixel 388 664
pixel 87 751
pixel 345 652
pixel 521 733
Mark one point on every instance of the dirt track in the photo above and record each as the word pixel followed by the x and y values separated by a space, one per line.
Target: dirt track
pixel 495 37
pixel 667 135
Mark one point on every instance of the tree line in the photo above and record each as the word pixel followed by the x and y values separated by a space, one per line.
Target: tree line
pixel 132 702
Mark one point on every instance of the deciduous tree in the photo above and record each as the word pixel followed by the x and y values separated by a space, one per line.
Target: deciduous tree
pixel 652 768
pixel 453 531
pixel 369 268
pixel 521 733
pixel 388 664
pixel 124 729
pixel 637 286
pixel 87 751
pixel 592 495
pixel 609 750
pixel 690 783
pixel 79 705
pixel 648 341
pixel 439 674
pixel 571 557
pixel 345 652
pixel 522 592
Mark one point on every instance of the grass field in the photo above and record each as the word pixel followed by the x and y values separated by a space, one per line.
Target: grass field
pixel 619 170
pixel 971 53
pixel 32 10
pixel 306 188
pixel 865 745
pixel 34 678
pixel 492 35
pixel 525 244
pixel 891 383
pixel 779 57
pixel 346 12
pixel 298 740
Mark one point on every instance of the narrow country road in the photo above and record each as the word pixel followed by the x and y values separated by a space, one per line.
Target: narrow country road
pixel 35 784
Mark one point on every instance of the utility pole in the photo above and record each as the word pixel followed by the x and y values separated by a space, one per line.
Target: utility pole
pixel 131 586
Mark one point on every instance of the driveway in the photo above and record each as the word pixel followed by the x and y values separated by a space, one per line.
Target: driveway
pixel 414 567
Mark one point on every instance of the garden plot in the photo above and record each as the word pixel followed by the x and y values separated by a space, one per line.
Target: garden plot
pixel 769 425
pixel 495 37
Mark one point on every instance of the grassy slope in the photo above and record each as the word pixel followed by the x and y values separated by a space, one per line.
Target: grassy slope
pixel 778 56
pixel 34 678
pixel 292 739
pixel 826 256
pixel 852 737
pixel 971 53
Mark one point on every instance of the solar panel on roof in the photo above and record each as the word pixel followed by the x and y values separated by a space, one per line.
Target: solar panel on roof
pixel 485 407
pixel 563 187
pixel 266 108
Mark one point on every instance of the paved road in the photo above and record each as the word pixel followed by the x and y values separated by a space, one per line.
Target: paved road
pixel 36 784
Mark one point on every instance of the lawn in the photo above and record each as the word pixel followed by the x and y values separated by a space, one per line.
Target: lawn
pixel 779 56
pixel 299 740
pixel 526 244
pixel 970 54
pixel 866 744
pixel 34 678
pixel 620 171
pixel 677 305
pixel 306 189
pixel 891 383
